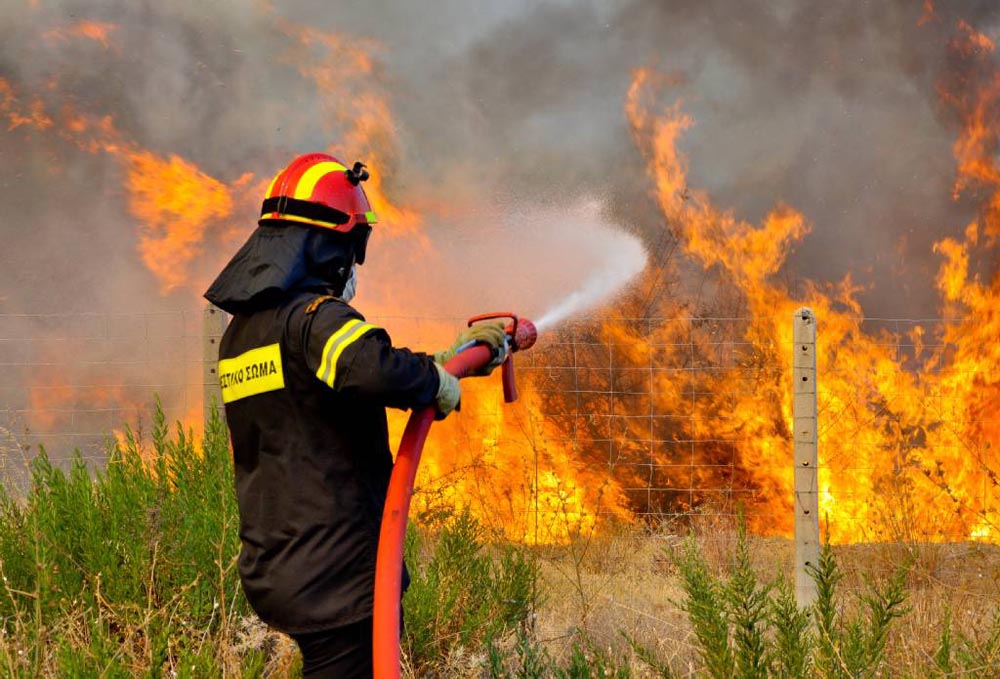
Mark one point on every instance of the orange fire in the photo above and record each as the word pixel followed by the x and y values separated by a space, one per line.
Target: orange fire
pixel 905 443
pixel 927 14
pixel 17 115
pixel 174 201
pixel 84 415
pixel 177 205
pixel 908 419
pixel 56 401
pixel 494 459
pixel 98 31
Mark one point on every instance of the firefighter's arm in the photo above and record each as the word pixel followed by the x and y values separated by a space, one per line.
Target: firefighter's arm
pixel 353 356
pixel 395 377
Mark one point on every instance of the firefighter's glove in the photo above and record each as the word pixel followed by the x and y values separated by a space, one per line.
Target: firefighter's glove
pixel 490 333
pixel 449 393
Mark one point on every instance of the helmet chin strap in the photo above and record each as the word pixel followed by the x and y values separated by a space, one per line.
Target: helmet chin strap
pixel 351 286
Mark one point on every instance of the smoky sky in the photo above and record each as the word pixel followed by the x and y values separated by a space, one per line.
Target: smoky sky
pixel 831 108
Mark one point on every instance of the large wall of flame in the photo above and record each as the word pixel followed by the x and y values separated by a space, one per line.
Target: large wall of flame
pixel 839 153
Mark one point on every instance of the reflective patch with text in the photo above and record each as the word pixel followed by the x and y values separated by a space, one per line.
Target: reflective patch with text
pixel 254 372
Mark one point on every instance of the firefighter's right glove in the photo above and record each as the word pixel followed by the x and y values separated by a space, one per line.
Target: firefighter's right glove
pixel 490 333
pixel 449 394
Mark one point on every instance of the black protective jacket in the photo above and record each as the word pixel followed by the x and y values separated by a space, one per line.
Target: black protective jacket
pixel 305 385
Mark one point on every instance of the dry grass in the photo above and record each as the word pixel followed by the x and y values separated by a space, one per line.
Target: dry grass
pixel 626 582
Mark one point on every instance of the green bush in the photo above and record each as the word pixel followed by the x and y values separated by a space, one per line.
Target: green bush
pixel 130 570
pixel 462 596
pixel 748 629
pixel 125 567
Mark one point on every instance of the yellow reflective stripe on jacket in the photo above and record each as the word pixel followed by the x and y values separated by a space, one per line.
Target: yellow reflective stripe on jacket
pixel 349 333
pixel 253 372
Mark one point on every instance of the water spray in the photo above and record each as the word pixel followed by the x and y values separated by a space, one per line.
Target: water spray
pixel 521 334
pixel 598 286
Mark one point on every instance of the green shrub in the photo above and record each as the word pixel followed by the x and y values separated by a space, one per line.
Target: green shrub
pixel 793 639
pixel 749 630
pixel 122 567
pixel 854 646
pixel 527 659
pixel 706 608
pixel 463 595
pixel 965 656
pixel 130 570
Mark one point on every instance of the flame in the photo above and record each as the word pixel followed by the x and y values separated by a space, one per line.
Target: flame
pixel 508 464
pixel 346 76
pixel 54 401
pixel 174 201
pixel 98 31
pixel 904 447
pixel 909 423
pixel 927 13
pixel 969 42
pixel 976 146
pixel 90 405
pixel 87 401
pixel 179 208
pixel 33 116
pixel 177 205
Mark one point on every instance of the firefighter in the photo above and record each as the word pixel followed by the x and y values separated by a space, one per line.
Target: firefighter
pixel 305 382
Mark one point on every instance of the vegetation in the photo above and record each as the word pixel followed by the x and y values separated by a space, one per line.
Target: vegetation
pixel 127 570
pixel 130 570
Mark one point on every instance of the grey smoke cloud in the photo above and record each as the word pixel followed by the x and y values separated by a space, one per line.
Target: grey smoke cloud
pixel 830 108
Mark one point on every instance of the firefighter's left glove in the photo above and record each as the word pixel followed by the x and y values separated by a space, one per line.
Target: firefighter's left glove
pixel 449 394
pixel 490 333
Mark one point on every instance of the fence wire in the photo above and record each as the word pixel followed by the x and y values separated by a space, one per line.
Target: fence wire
pixel 68 382
pixel 644 419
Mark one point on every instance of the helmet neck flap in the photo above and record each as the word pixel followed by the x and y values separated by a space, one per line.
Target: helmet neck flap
pixel 278 261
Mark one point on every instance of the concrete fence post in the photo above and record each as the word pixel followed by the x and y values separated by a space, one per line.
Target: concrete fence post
pixel 213 325
pixel 805 437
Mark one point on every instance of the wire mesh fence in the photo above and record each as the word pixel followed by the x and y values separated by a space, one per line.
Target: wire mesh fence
pixel 70 381
pixel 643 419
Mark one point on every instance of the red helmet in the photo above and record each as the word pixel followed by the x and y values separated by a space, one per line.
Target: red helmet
pixel 318 190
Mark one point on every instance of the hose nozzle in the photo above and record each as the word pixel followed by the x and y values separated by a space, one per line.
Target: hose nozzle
pixel 522 333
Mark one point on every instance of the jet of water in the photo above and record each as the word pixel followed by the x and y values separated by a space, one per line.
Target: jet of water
pixel 623 264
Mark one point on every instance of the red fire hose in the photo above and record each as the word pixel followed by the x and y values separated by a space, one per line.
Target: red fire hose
pixel 521 334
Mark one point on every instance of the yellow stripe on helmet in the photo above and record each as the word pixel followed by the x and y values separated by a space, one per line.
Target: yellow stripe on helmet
pixel 309 179
pixel 281 216
pixel 270 187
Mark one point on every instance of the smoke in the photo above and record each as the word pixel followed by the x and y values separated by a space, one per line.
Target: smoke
pixel 494 121
pixel 548 261
pixel 832 109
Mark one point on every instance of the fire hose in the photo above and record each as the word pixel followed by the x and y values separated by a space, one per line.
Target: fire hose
pixel 521 334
